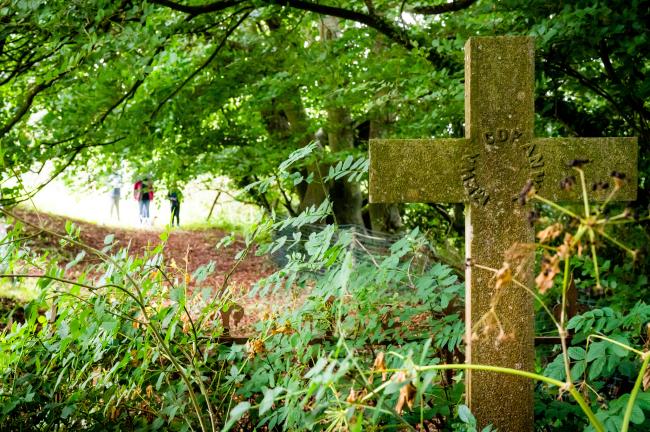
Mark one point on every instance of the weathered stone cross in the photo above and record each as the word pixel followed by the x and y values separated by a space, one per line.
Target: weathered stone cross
pixel 487 169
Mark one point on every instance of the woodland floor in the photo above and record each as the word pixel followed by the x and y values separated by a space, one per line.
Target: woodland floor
pixel 190 249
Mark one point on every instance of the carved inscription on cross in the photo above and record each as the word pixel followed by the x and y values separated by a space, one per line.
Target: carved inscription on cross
pixel 487 170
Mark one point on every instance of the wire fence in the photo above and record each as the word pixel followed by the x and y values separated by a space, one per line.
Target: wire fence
pixel 365 245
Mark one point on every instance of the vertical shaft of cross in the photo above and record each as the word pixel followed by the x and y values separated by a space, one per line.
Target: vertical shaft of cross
pixel 499 115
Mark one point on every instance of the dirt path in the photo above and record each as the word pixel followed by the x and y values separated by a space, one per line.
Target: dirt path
pixel 189 249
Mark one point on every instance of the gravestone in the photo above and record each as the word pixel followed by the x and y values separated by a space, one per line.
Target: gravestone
pixel 487 170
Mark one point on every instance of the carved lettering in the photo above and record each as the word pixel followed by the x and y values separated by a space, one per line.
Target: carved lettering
pixel 538 178
pixel 529 148
pixel 535 160
pixel 468 175
pixel 502 135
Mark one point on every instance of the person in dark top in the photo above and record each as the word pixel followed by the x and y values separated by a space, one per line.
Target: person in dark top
pixel 174 197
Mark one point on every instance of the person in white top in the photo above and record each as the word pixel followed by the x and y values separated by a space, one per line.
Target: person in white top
pixel 115 184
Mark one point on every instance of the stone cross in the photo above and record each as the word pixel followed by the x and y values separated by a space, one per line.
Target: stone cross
pixel 487 170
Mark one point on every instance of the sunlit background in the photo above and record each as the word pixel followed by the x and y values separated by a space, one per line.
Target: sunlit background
pixel 94 205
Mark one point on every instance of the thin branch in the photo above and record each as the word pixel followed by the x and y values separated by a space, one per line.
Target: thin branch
pixel 204 65
pixel 371 20
pixel 75 152
pixel 627 95
pixel 25 106
pixel 593 86
pixel 198 9
pixel 133 88
pixel 444 8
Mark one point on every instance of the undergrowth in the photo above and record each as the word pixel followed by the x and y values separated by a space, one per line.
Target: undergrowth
pixel 377 343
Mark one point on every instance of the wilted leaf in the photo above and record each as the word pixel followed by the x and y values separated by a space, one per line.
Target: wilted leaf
pixel 406 393
pixel 503 276
pixel 379 366
pixel 352 396
pixel 550 233
pixel 550 268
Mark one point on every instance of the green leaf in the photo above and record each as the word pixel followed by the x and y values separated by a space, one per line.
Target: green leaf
pixel 577 353
pixel 465 415
pixel 578 370
pixel 67 410
pixel 235 414
pixel 618 350
pixel 269 398
pixel 596 368
pixel 596 350
pixel 637 416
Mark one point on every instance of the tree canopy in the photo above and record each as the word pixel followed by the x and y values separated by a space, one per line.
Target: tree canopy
pixel 231 87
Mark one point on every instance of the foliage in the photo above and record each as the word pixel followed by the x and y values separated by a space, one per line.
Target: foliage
pixel 239 86
pixel 376 341
pixel 117 350
pixel 234 88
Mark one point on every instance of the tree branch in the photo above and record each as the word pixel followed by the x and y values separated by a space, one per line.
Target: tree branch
pixel 593 86
pixel 611 72
pixel 371 20
pixel 198 9
pixel 25 106
pixel 443 8
pixel 133 88
pixel 203 66
pixel 76 150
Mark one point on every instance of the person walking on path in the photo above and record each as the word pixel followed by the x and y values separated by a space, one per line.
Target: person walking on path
pixel 174 197
pixel 115 185
pixel 143 193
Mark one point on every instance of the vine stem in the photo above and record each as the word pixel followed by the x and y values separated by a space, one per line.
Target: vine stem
pixel 530 292
pixel 635 392
pixel 585 198
pixel 556 206
pixel 525 374
pixel 562 330
pixel 615 342
pixel 486 368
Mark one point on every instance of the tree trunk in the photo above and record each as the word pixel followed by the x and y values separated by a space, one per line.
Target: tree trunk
pixel 346 196
pixel 383 217
pixel 286 120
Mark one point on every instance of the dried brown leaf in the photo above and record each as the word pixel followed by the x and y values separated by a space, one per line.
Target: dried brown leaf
pixel 550 268
pixel 379 366
pixel 521 257
pixel 550 233
pixel 503 276
pixel 352 397
pixel 406 393
pixel 255 347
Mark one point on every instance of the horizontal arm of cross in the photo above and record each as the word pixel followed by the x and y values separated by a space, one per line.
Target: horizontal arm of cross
pixel 416 170
pixel 437 170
